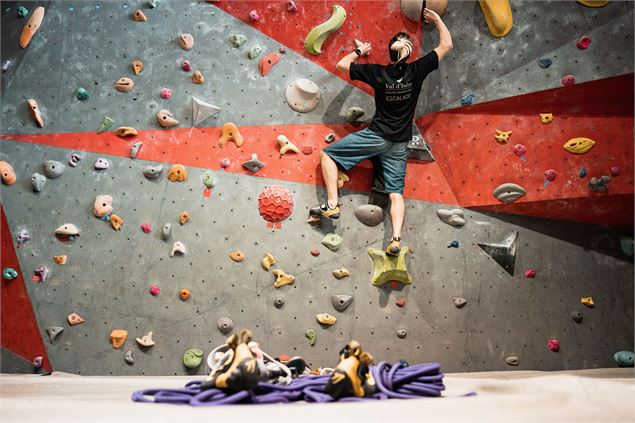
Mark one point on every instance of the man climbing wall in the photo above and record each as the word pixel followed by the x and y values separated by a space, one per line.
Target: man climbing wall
pixel 397 87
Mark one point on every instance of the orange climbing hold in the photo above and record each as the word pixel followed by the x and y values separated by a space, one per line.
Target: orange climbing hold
pixel 266 63
pixel 230 133
pixel 184 217
pixel 118 338
pixel 137 65
pixel 7 173
pixel 237 255
pixel 61 260
pixel 116 222
pixel 177 173
pixel 184 294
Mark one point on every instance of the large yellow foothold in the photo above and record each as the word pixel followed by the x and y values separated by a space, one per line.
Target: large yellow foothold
pixel 230 133
pixel 282 278
pixel 587 301
pixel 326 319
pixel 579 145
pixel 546 117
pixel 388 268
pixel 268 261
pixel 498 15
pixel 316 37
pixel 502 136
pixel 593 3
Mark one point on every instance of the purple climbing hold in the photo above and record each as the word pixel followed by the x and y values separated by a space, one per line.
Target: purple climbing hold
pixel 101 164
pixel 615 171
pixel 23 236
pixel 225 163
pixel 37 362
pixel 74 160
pixel 41 274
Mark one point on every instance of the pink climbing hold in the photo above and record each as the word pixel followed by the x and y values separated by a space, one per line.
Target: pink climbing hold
pixel 186 66
pixel 146 228
pixel 584 42
pixel 315 253
pixel 166 93
pixel 154 289
pixel 615 171
pixel 291 6
pixel 554 345
pixel 551 175
pixel 225 163
pixel 530 273
pixel 400 303
pixel 520 150
pixel 275 204
pixel 254 16
pixel 568 80
pixel 282 50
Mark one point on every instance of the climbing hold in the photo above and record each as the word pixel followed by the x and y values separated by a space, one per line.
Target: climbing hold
pixel 225 163
pixel 22 12
pixel 369 214
pixel 177 173
pixel 508 192
pixel 583 43
pixel 6 65
pixel 502 136
pixel 503 253
pixel 315 253
pixel 230 133
pixel 278 302
pixel 467 99
pixel 134 150
pixel 546 117
pixel 75 319
pixel 146 340
pixel 341 273
pixel 341 302
pixel 106 123
pixel 116 222
pixel 254 16
pixel 23 237
pixel 254 51
pixel 184 294
pixel 326 319
pixel 266 62
pixel 9 273
pixel 81 94
pixel 512 360
pixel 594 3
pixel 286 145
pixel 553 345
pixel 166 93
pixel 101 164
pixel 342 178
pixel 587 301
pixel 388 268
pixel 453 217
pixel 302 95
pixel 282 278
pixel 165 119
pixel 311 336
pixel 253 165
pixel 40 274
pixel 35 112
pixel 137 66
pixel 623 358
pixel 520 150
pixel 184 217
pixel 237 256
pixel 118 338
pixel 576 316
pixel 307 149
pixel 102 205
pixel 197 77
pixel 8 174
pixel 74 159
pixel 208 179
pixel 459 302
pixel 152 172
pixel 125 131
pixel 579 145
pixel 139 16
pixel 237 40
pixel 67 230
pixel 179 248
pixel 268 261
pixel 37 362
pixel 153 3
pixel 154 289
pixel 53 169
pixel 550 175
pixel 600 184
pixel 530 273
pixel 225 324
pixel 291 6
pixel 568 80
pixel 316 37
pixel 329 138
pixel 400 303
pixel 31 27
pixel 275 204
pixel 128 357
pixel 186 41
pixel 626 243
pixel 146 228
pixel 402 333
pixel 354 113
pixel 166 231
pixel 498 15
pixel 332 241
pixel 54 332
pixel 201 110
pixel 192 358
pixel 544 62
pixel 124 85
pixel 454 244
pixel 186 66
pixel 615 171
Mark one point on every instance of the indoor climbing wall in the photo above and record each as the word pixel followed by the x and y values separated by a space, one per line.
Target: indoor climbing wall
pixel 498 287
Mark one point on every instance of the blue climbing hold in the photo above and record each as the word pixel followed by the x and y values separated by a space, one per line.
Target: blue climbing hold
pixel 454 244
pixel 22 12
pixel 9 273
pixel 467 99
pixel 545 62
pixel 624 358
pixel 582 172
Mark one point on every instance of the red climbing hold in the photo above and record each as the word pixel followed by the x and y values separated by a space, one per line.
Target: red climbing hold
pixel 400 303
pixel 584 42
pixel 307 149
pixel 146 228
pixel 530 273
pixel 275 204
pixel 615 171
pixel 394 284
pixel 554 345
pixel 315 253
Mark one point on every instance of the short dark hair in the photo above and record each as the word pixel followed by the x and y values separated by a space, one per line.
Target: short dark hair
pixel 394 55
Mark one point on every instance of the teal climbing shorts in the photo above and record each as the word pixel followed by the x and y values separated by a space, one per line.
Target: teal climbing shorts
pixel 366 144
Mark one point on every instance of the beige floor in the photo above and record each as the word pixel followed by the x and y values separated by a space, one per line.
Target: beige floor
pixel 600 395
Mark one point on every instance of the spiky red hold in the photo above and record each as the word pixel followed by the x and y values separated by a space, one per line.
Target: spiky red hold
pixel 275 203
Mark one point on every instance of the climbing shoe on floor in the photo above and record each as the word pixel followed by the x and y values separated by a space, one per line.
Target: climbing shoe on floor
pixel 326 211
pixel 351 377
pixel 394 248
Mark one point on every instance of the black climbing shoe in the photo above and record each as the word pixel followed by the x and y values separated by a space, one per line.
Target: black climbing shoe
pixel 394 248
pixel 351 376
pixel 326 211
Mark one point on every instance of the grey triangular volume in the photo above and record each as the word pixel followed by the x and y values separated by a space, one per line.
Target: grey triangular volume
pixel 504 253
pixel 53 332
pixel 201 110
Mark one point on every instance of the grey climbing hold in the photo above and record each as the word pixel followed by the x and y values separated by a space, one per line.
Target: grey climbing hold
pixel 225 325
pixel 54 332
pixel 253 165
pixel 166 231
pixel 129 359
pixel 401 333
pixel 237 40
pixel 354 113
pixel 576 316
pixel 508 192
pixel 134 150
pixel 626 243
pixel 419 150
pixel 255 51
pixel 6 65
pixel 453 217
pixel 512 360
pixel 74 159
pixel 600 184
pixel 101 164
pixel 37 182
pixel 369 214
pixel 153 172
pixel 623 358
pixel 332 241
pixel 153 3
pixel 504 253
pixel 53 169
pixel 459 302
pixel 278 302
pixel 341 302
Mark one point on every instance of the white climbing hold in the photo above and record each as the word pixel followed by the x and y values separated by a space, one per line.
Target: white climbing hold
pixel 202 110
pixel 178 247
pixel 286 145
pixel 146 340
pixel 453 217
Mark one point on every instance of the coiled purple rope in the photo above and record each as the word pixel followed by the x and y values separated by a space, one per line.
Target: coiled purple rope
pixel 393 381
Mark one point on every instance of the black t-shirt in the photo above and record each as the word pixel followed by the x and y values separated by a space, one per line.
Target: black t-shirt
pixel 396 94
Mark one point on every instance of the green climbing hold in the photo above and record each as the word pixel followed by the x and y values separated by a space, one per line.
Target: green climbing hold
pixel 624 358
pixel 22 12
pixel 9 273
pixel 255 51
pixel 82 94
pixel 332 241
pixel 193 358
pixel 311 336
pixel 208 179
pixel 105 124
pixel 389 268
pixel 316 37
pixel 237 40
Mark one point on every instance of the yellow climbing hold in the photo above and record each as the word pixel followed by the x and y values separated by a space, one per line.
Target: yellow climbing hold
pixel 498 15
pixel 593 3
pixel 546 117
pixel 268 261
pixel 502 136
pixel 316 37
pixel 326 319
pixel 282 278
pixel 579 145
pixel 587 301
pixel 389 268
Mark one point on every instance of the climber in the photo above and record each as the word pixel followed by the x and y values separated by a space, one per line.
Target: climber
pixel 397 87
